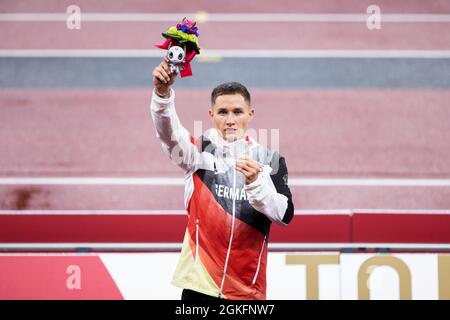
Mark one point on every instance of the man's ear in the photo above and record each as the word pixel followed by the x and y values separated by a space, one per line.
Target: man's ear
pixel 211 112
pixel 251 113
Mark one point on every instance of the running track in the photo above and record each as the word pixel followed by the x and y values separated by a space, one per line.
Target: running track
pixel 352 106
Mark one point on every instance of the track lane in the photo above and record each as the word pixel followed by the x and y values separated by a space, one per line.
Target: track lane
pixel 226 35
pixel 304 6
pixel 336 133
pixel 162 198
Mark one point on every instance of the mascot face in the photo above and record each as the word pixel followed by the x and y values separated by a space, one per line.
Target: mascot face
pixel 176 54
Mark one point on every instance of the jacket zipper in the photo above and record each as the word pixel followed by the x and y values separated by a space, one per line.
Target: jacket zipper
pixel 196 240
pixel 259 261
pixel 231 235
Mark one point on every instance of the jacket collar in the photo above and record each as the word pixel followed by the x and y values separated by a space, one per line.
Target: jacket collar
pixel 235 148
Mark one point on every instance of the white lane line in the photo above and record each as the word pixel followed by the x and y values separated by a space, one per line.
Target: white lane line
pixel 217 54
pixel 110 246
pixel 401 211
pixel 124 212
pixel 121 212
pixel 408 246
pixel 91 181
pixel 177 246
pixel 370 182
pixel 147 212
pixel 203 17
pixel 313 182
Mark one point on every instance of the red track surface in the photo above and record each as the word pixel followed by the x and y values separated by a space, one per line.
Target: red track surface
pixel 268 6
pixel 215 35
pixel 171 197
pixel 324 133
pixel 229 35
pixel 393 134
pixel 335 132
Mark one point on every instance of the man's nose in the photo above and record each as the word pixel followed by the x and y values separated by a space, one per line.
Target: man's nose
pixel 231 119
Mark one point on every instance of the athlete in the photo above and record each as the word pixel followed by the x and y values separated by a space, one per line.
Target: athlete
pixel 234 189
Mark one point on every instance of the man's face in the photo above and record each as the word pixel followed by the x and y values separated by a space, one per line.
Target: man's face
pixel 231 115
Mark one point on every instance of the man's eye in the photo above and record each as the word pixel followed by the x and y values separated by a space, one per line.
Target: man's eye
pixel 222 112
pixel 238 112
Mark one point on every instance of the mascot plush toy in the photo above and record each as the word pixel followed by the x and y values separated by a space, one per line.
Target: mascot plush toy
pixel 182 46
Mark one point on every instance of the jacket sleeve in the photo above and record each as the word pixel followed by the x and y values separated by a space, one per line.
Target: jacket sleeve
pixel 270 194
pixel 175 139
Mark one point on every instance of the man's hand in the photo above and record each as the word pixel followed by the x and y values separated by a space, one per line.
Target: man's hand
pixel 249 167
pixel 163 79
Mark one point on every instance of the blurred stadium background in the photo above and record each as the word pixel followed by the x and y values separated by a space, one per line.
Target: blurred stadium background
pixel 91 208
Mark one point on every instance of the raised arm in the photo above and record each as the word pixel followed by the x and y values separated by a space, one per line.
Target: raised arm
pixel 175 139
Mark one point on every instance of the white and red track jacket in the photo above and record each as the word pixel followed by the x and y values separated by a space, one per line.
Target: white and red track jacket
pixel 224 250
